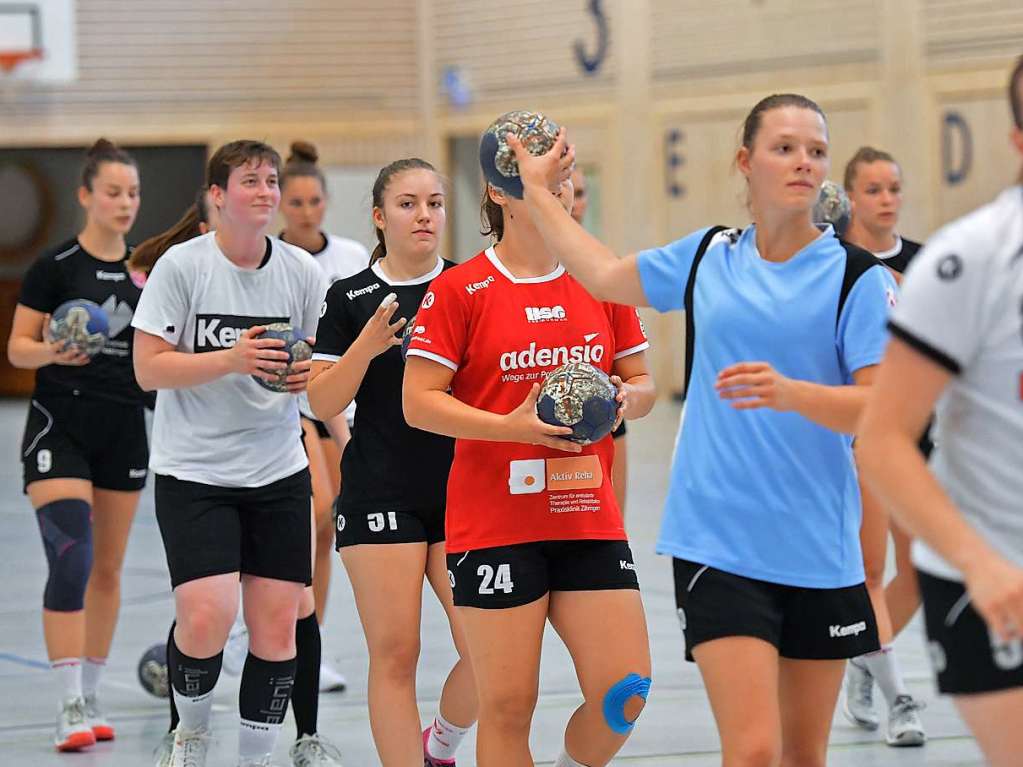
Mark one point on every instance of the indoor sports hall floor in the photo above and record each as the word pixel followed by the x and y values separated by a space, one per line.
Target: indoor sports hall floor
pixel 675 729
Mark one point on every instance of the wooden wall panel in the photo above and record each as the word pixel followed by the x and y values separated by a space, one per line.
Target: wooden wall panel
pixel 692 38
pixel 308 59
pixel 968 33
pixel 521 50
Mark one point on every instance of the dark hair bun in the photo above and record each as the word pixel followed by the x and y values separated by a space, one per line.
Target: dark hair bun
pixel 303 151
pixel 103 146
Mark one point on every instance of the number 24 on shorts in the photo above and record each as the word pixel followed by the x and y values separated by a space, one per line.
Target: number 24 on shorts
pixel 499 580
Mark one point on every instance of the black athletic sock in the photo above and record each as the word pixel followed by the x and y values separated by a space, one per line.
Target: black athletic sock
pixel 174 718
pixel 305 695
pixel 192 683
pixel 263 704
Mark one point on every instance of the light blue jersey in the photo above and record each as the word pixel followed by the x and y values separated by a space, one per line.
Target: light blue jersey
pixel 759 493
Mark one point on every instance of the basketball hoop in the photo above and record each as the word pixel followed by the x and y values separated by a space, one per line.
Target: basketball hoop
pixel 10 60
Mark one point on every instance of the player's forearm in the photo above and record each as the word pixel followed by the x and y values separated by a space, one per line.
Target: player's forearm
pixel 440 413
pixel 894 468
pixel 333 389
pixel 29 354
pixel 642 396
pixel 180 370
pixel 835 407
pixel 586 258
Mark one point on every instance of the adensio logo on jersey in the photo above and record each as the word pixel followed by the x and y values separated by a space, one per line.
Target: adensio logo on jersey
pixel 214 332
pixel 353 294
pixel 543 357
pixel 472 287
pixel 546 314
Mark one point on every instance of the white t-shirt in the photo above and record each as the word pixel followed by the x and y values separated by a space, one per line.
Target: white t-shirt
pixel 230 432
pixel 339 259
pixel 962 306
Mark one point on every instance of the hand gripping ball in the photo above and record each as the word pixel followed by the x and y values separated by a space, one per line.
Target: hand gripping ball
pixel 81 324
pixel 153 674
pixel 295 345
pixel 497 159
pixel 581 397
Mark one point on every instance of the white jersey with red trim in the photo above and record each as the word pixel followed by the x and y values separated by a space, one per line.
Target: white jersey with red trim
pixel 501 334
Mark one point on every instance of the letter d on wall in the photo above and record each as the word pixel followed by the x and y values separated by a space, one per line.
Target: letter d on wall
pixel 956 148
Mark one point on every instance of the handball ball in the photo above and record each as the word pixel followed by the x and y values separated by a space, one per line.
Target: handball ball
pixel 581 397
pixel 406 335
pixel 833 207
pixel 295 345
pixel 153 671
pixel 80 324
pixel 497 159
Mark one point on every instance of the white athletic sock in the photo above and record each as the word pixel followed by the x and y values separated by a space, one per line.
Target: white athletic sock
pixel 566 761
pixel 68 673
pixel 884 667
pixel 194 712
pixel 444 738
pixel 92 670
pixel 256 739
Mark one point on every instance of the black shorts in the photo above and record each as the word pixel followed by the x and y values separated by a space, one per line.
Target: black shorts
pixel 620 431
pixel 209 530
pixel 321 428
pixel 75 437
pixel 965 656
pixel 510 576
pixel 409 526
pixel 802 623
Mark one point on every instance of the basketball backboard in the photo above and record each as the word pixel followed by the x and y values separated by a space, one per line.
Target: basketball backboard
pixel 37 40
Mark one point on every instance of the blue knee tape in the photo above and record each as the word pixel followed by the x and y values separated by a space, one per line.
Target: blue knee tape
pixel 614 701
pixel 66 527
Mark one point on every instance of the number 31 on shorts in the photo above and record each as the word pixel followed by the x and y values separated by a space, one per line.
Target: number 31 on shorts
pixel 499 580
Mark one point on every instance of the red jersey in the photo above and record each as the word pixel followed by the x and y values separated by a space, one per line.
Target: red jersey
pixel 501 335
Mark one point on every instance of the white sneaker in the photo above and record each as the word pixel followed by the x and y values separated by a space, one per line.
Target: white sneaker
pixel 314 751
pixel 73 730
pixel 190 747
pixel 331 680
pixel 97 720
pixel 858 701
pixel 236 649
pixel 164 751
pixel 904 726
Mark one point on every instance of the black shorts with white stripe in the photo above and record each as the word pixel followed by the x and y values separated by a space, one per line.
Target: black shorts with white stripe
pixel 965 656
pixel 72 436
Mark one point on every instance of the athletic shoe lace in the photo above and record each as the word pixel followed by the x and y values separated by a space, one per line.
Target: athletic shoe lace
pixel 74 712
pixel 193 749
pixel 904 712
pixel 315 751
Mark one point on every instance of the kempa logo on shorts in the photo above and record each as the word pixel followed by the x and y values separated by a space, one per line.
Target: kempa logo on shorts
pixel 340 523
pixel 353 294
pixel 221 331
pixel 623 565
pixel 137 473
pixel 110 276
pixel 532 357
pixel 546 314
pixel 853 629
pixel 472 287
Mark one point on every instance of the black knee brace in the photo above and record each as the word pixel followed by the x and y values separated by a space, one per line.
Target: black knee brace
pixel 66 527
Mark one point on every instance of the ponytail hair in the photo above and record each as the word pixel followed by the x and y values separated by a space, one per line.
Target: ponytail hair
pixel 144 257
pixel 384 177
pixel 103 151
pixel 302 163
